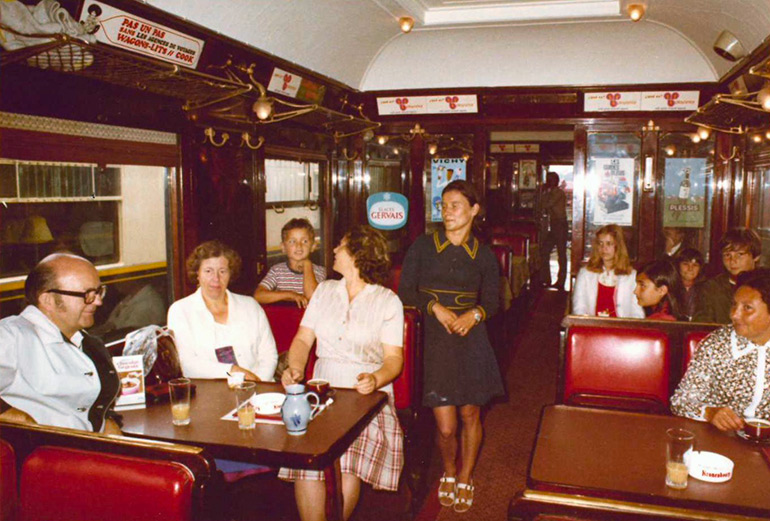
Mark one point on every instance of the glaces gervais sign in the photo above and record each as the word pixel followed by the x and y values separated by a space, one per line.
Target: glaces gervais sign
pixel 387 210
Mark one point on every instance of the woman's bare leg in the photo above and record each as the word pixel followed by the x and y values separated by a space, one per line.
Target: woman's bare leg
pixel 310 495
pixel 446 437
pixel 351 489
pixel 470 436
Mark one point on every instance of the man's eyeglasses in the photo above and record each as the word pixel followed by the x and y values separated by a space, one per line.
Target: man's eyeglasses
pixel 88 296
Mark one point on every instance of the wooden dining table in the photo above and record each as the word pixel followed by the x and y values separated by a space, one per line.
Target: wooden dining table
pixel 603 464
pixel 327 438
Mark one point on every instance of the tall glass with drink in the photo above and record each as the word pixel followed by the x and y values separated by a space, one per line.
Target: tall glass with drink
pixel 679 442
pixel 179 392
pixel 244 392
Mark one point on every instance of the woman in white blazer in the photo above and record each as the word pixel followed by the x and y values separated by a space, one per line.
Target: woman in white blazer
pixel 218 331
pixel 608 279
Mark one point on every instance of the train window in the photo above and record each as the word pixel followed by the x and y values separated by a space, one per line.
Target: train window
pixel 292 191
pixel 611 185
pixel 114 216
pixel 686 172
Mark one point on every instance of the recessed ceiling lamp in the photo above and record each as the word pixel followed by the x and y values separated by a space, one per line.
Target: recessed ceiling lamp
pixel 406 23
pixel 635 12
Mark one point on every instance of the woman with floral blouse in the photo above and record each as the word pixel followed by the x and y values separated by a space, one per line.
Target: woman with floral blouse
pixel 728 379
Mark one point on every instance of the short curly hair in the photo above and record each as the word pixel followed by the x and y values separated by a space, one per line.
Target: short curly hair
pixel 209 250
pixel 369 250
pixel 757 279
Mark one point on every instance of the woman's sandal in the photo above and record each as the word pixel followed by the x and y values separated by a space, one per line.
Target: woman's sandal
pixel 463 504
pixel 446 499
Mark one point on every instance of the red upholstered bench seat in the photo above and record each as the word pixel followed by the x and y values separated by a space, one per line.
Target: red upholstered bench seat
pixel 70 484
pixel 8 485
pixel 619 368
pixel 691 343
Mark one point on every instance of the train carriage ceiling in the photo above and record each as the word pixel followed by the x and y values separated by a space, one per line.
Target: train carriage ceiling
pixel 481 43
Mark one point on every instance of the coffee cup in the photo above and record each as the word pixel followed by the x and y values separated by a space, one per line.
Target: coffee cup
pixel 757 429
pixel 319 386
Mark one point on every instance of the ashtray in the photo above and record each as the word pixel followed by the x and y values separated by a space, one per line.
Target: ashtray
pixel 741 434
pixel 710 466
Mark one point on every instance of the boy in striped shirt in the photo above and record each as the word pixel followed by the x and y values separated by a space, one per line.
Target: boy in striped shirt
pixel 296 279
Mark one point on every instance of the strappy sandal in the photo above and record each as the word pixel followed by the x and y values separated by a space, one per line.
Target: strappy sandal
pixel 463 504
pixel 446 499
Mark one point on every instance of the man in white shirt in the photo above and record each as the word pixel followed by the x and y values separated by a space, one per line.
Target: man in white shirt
pixel 52 372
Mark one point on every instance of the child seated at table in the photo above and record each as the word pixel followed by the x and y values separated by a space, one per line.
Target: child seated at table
pixel 659 291
pixel 296 279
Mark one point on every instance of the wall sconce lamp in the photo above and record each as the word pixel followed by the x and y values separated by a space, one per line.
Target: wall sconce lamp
pixel 695 138
pixel 246 140
pixel 704 133
pixel 433 148
pixel 636 11
pixel 406 23
pixel 382 139
pixel 670 150
pixel 264 107
pixel 415 131
pixel 763 97
pixel 210 136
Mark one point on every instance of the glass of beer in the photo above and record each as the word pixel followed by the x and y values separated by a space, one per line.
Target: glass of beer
pixel 679 442
pixel 179 392
pixel 246 413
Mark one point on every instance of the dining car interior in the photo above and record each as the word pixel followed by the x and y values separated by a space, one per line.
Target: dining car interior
pixel 188 188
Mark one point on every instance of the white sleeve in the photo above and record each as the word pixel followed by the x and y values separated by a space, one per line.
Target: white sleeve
pixel 193 365
pixel 266 355
pixel 580 304
pixel 8 358
pixel 314 307
pixel 392 332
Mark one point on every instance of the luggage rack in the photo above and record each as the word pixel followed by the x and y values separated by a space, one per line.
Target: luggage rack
pixel 733 113
pixel 221 101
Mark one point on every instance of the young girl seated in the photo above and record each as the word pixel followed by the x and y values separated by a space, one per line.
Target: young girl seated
pixel 689 262
pixel 605 285
pixel 659 290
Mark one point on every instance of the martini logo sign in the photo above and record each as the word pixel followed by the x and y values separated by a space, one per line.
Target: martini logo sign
pixel 387 210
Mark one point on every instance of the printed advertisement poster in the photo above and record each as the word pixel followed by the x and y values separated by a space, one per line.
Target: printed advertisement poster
pixel 443 172
pixel 528 174
pixel 684 191
pixel 615 191
pixel 121 29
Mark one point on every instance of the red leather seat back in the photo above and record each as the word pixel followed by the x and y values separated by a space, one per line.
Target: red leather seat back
pixel 517 242
pixel 67 484
pixel 503 254
pixel 405 389
pixel 8 486
pixel 284 322
pixel 691 342
pixel 619 368
pixel 395 277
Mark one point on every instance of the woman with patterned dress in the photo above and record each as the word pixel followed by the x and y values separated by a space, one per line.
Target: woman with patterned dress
pixel 605 285
pixel 728 379
pixel 454 280
pixel 359 326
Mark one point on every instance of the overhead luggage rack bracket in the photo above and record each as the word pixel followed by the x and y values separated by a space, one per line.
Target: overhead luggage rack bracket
pixel 732 113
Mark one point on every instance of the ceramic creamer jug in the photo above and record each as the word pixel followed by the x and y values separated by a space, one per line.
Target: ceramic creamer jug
pixel 297 410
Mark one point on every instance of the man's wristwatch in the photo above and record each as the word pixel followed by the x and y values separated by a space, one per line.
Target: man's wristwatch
pixel 477 315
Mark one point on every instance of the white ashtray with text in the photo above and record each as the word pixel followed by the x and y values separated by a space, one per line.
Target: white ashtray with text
pixel 710 466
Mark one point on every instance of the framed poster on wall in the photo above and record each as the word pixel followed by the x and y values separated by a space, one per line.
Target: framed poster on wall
pixel 685 192
pixel 527 174
pixel 615 191
pixel 443 171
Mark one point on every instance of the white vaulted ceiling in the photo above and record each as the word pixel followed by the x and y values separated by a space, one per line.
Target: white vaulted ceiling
pixel 482 43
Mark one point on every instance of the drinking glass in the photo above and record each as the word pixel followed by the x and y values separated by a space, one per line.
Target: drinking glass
pixel 678 443
pixel 246 412
pixel 179 392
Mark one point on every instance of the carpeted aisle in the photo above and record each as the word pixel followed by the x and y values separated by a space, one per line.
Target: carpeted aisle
pixel 510 426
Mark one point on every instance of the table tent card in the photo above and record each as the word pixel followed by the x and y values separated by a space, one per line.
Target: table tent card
pixel 131 373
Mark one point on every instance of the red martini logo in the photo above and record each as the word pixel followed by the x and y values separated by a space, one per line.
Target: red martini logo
pixel 614 97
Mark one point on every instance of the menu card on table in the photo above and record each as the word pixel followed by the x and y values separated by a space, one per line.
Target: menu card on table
pixel 131 373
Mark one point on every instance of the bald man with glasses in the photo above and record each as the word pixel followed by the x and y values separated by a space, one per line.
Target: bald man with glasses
pixel 51 371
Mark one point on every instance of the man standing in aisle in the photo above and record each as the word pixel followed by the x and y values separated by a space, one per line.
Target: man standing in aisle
pixel 554 203
pixel 52 372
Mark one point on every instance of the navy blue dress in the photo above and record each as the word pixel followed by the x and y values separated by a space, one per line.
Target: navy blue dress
pixel 457 370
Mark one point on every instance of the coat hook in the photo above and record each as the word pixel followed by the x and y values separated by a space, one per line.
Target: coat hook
pixel 210 134
pixel 246 140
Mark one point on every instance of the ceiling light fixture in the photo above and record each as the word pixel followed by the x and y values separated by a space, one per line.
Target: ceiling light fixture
pixel 729 47
pixel 406 23
pixel 635 11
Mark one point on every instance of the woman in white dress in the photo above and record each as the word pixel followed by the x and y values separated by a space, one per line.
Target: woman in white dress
pixel 359 327
pixel 605 285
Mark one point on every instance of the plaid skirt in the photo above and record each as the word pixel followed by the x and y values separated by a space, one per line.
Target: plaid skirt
pixel 376 456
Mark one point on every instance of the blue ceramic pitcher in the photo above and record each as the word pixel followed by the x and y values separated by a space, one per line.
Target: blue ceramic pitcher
pixel 297 410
